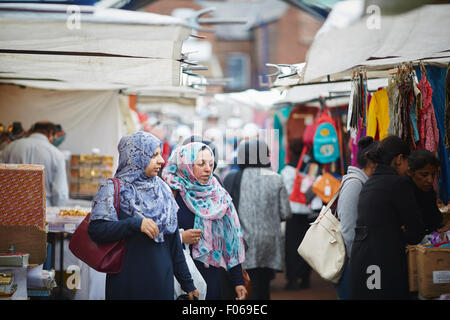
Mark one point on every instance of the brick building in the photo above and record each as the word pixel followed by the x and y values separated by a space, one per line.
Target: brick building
pixel 276 33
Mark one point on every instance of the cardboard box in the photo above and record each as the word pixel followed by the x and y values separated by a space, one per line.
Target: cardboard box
pixel 22 195
pixel 411 253
pixel 433 271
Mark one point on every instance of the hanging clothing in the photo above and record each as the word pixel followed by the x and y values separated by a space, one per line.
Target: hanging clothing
pixel 378 115
pixel 437 77
pixel 394 110
pixel 429 133
pixel 416 105
pixel 405 104
pixel 279 123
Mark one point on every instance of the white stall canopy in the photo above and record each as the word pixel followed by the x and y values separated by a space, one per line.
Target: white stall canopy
pixel 351 38
pixel 89 48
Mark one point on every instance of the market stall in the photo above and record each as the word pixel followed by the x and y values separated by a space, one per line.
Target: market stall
pixel 410 51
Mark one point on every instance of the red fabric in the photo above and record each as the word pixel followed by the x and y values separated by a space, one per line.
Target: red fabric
pixel 427 125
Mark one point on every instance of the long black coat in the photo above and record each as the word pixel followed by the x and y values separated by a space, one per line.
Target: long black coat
pixel 388 219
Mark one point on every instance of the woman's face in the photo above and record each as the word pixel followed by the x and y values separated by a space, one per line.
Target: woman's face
pixel 203 166
pixel 155 164
pixel 424 177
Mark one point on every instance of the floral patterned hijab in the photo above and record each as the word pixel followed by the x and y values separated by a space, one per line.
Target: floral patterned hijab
pixel 140 196
pixel 221 243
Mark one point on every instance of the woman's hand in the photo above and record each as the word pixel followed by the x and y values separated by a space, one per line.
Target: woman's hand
pixel 149 227
pixel 193 294
pixel 191 236
pixel 241 292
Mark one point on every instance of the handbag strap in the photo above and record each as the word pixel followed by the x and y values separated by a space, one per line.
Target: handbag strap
pixel 116 195
pixel 300 161
pixel 329 204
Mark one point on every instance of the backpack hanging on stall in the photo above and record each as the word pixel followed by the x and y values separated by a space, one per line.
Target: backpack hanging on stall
pixel 325 140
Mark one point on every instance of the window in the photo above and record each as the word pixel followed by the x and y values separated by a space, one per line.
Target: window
pixel 238 69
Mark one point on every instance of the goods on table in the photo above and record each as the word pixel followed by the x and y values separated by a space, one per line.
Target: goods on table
pixel 87 173
pixel 72 213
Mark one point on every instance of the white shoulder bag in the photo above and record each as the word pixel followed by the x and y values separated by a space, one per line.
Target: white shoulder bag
pixel 323 247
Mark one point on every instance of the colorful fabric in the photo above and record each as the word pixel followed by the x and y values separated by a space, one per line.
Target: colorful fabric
pixel 221 243
pixel 140 196
pixel 437 77
pixel 378 115
pixel 429 133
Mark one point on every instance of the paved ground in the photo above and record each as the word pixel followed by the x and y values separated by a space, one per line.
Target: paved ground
pixel 320 289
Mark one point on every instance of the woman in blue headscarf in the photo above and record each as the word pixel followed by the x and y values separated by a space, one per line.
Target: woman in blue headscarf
pixel 148 222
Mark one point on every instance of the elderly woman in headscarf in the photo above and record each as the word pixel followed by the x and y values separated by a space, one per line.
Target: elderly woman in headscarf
pixel 262 201
pixel 207 215
pixel 148 222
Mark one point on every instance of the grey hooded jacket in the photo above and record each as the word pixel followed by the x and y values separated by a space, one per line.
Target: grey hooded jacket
pixel 351 186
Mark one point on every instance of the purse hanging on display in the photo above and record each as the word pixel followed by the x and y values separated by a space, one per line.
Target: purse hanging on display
pixel 326 186
pixel 103 257
pixel 297 195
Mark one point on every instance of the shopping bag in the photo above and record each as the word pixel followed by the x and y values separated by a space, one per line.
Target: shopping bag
pixel 103 257
pixel 199 282
pixel 323 247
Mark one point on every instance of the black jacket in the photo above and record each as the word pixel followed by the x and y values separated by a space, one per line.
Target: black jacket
pixel 427 202
pixel 388 219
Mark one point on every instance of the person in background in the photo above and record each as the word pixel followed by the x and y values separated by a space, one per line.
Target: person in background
pixel 388 219
pixel 38 148
pixel 423 167
pixel 12 133
pixel 59 135
pixel 296 226
pixel 347 210
pixel 208 217
pixel 263 203
pixel 148 222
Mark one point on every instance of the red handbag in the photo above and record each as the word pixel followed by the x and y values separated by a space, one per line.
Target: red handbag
pixel 296 194
pixel 103 257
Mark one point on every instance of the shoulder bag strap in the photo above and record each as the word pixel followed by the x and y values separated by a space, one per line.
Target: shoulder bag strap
pixel 329 204
pixel 116 195
pixel 300 161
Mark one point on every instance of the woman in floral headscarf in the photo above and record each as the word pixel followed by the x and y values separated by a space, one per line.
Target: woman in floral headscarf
pixel 208 217
pixel 148 222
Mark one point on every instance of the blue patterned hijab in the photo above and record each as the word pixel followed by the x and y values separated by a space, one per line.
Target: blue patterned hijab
pixel 140 196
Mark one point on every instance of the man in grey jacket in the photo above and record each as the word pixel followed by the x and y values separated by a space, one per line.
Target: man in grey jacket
pixel 351 186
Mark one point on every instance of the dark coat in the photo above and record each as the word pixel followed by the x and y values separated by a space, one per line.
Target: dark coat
pixel 388 219
pixel 148 267
pixel 431 216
